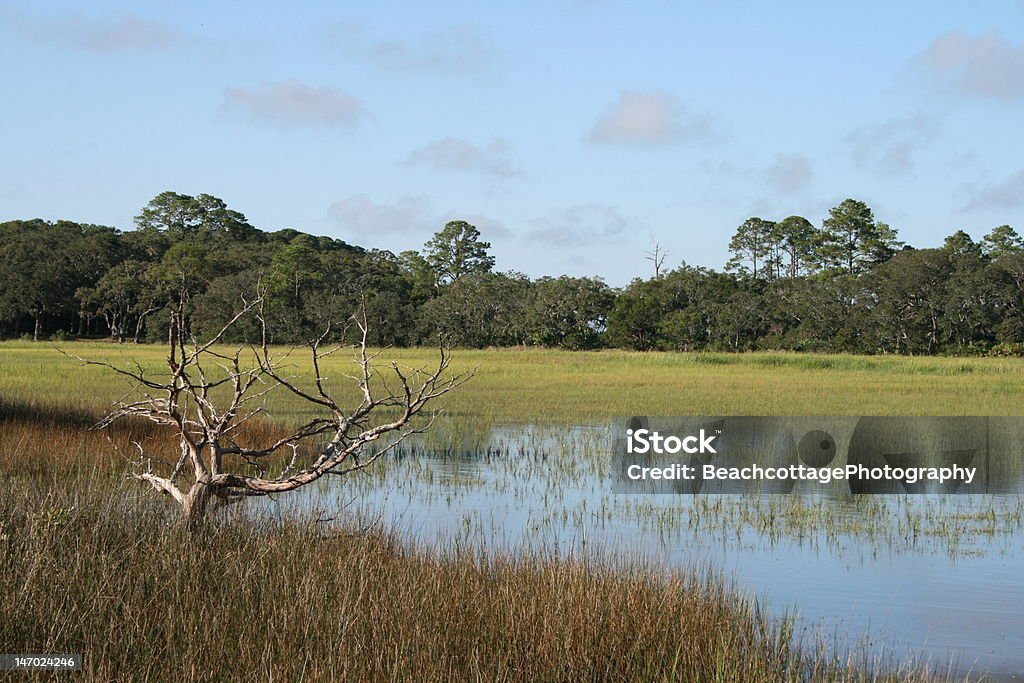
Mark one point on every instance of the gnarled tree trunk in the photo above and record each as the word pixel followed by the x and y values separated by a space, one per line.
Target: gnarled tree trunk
pixel 205 420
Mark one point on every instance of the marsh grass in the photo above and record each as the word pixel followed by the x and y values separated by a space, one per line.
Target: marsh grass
pixel 907 524
pixel 51 442
pixel 92 563
pixel 562 387
pixel 89 566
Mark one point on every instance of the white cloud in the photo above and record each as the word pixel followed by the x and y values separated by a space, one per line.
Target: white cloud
pixel 457 51
pixel 123 33
pixel 789 173
pixel 985 65
pixel 410 215
pixel 1006 194
pixel 891 145
pixel 579 225
pixel 291 103
pixel 649 118
pixel 359 215
pixel 455 154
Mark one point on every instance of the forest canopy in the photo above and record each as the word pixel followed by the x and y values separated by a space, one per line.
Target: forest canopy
pixel 846 285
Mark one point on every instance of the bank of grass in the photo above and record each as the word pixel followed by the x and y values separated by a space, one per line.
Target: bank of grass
pixel 551 386
pixel 92 563
pixel 87 566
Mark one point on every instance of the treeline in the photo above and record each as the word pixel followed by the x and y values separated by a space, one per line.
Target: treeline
pixel 849 285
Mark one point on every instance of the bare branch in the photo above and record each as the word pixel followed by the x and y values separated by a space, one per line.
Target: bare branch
pixel 210 395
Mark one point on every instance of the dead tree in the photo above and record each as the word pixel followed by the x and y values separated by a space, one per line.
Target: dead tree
pixel 208 396
pixel 656 256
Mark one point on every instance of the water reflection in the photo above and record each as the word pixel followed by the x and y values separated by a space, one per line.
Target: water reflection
pixel 933 574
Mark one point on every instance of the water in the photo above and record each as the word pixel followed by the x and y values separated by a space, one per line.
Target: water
pixel 925 576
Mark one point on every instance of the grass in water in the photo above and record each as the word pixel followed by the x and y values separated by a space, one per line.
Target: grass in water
pixel 92 563
pixel 86 565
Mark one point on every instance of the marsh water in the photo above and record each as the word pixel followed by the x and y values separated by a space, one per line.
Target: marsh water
pixel 890 578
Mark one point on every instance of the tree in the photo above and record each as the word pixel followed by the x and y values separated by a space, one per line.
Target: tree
pixel 118 297
pixel 296 275
pixel 656 256
pixel 751 244
pixel 210 395
pixel 218 219
pixel 172 213
pixel 741 321
pixel 797 237
pixel 693 301
pixel 382 288
pixel 1001 241
pixel 184 271
pixel 971 309
pixel 909 296
pixel 570 312
pixel 817 314
pixel 961 245
pixel 457 250
pixel 419 274
pixel 183 216
pixel 852 241
pixel 1007 275
pixel 638 310
pixel 44 264
pixel 481 309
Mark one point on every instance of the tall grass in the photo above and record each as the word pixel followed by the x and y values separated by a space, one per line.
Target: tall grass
pixel 89 567
pixel 93 563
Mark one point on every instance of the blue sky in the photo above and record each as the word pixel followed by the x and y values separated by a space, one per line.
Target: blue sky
pixel 571 132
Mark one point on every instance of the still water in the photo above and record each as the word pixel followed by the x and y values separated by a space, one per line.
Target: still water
pixel 900 577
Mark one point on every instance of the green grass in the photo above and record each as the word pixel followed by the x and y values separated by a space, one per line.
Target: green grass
pixel 533 385
pixel 92 563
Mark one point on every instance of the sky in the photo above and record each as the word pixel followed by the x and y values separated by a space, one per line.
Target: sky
pixel 573 133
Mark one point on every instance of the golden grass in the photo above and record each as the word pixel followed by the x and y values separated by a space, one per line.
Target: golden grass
pixel 92 563
pixel 87 566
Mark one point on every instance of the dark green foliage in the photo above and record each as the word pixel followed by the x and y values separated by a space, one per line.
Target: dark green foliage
pixel 457 250
pixel 754 249
pixel 852 240
pixel 43 264
pixel 204 216
pixel 570 312
pixel 797 238
pixel 849 286
pixel 906 301
pixel 480 310
pixel 1001 241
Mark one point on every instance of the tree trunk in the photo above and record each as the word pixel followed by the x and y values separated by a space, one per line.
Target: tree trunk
pixel 195 505
pixel 138 329
pixel 38 327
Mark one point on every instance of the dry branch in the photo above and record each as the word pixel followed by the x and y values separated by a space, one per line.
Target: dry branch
pixel 208 396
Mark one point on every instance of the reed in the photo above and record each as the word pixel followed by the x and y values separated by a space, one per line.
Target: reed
pixel 91 567
pixel 93 563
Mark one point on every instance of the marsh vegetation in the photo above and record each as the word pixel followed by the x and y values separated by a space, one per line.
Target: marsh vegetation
pixel 492 548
